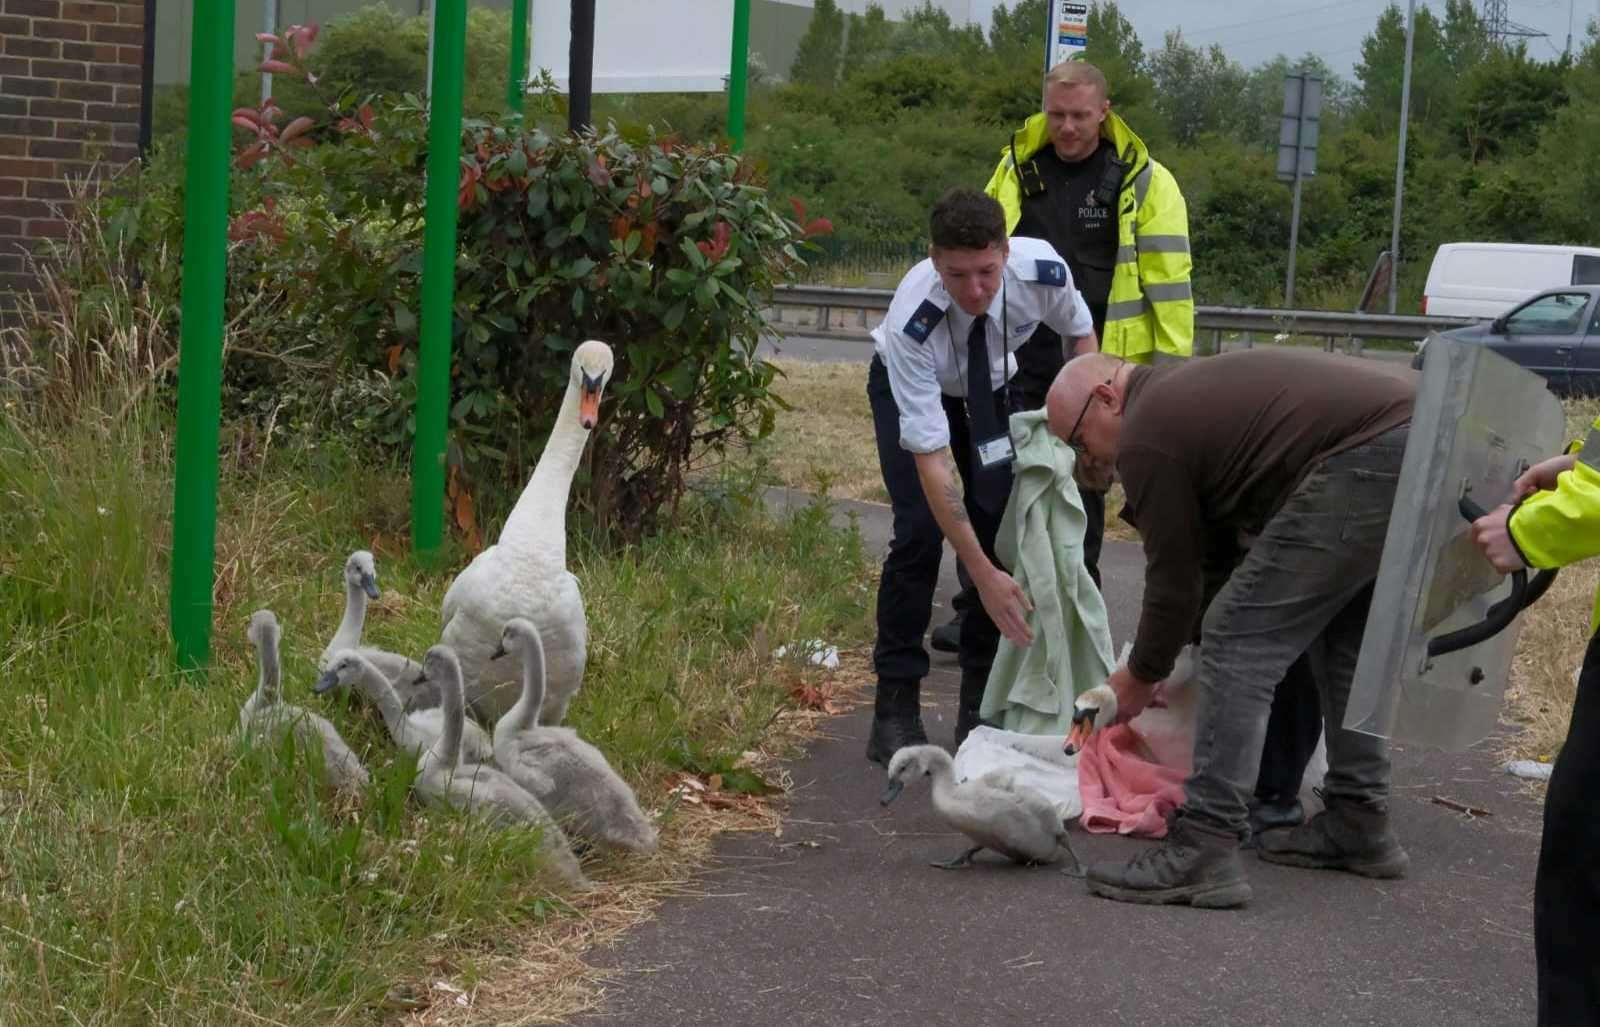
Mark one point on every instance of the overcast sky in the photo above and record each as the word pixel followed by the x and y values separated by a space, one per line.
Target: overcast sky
pixel 1253 31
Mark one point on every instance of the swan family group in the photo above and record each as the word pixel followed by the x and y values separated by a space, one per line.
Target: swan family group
pixel 482 713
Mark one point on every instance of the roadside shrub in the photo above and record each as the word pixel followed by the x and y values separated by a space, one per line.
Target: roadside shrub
pixel 665 249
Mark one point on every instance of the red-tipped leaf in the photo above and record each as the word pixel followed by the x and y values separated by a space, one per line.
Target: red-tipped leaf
pixel 298 127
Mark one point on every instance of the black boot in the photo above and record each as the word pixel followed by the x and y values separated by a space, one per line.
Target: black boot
pixel 968 705
pixel 1348 835
pixel 1196 865
pixel 896 720
pixel 946 638
pixel 1272 813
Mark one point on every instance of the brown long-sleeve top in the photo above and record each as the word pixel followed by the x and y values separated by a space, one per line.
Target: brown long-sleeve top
pixel 1215 445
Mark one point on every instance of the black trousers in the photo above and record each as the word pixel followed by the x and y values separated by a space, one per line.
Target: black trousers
pixel 1293 730
pixel 911 569
pixel 1566 889
pixel 1294 725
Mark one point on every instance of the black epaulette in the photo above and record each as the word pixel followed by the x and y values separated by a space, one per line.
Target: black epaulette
pixel 924 321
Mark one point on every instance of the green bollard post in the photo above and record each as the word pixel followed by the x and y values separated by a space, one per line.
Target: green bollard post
pixel 204 290
pixel 438 276
pixel 518 76
pixel 739 72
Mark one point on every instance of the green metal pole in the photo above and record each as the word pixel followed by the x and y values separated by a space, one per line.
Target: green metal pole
pixel 205 280
pixel 438 275
pixel 519 55
pixel 739 72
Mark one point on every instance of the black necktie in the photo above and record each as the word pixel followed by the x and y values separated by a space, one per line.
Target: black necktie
pixel 991 485
pixel 980 390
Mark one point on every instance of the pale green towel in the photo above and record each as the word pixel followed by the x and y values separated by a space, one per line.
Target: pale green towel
pixel 1041 539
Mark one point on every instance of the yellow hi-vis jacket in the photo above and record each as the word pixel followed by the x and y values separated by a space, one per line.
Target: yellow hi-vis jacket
pixel 1562 526
pixel 1151 306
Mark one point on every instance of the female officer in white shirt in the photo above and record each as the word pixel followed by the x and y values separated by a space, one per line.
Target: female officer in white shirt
pixel 978 293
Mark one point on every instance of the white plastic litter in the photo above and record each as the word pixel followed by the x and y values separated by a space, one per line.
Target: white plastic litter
pixel 1531 770
pixel 1035 761
pixel 816 651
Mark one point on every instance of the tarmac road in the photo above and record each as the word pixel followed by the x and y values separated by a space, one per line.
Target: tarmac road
pixel 840 920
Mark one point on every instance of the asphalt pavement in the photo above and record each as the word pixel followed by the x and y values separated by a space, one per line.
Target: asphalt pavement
pixel 839 920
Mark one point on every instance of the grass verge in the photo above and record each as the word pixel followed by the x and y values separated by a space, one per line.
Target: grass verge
pixel 154 872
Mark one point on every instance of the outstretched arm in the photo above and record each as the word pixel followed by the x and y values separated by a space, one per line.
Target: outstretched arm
pixel 1003 599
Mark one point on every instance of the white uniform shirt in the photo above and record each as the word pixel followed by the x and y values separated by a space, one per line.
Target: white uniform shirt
pixel 923 339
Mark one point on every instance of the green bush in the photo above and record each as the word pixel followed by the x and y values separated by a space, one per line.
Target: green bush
pixel 668 251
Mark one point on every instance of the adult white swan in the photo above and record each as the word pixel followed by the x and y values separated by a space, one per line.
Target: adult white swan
pixel 524 574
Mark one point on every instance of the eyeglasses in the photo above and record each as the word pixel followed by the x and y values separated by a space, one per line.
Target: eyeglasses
pixel 1072 440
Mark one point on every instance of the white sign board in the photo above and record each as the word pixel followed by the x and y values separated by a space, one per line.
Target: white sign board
pixel 641 46
pixel 1069 31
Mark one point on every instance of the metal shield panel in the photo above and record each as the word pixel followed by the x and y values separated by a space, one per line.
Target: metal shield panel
pixel 1479 422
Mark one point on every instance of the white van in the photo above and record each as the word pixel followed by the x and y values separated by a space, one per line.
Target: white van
pixel 1486 279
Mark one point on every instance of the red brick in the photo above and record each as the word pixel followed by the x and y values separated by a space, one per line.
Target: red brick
pixel 75 71
pixel 130 54
pixel 11 207
pixel 10 227
pixel 27 46
pixel 89 52
pixel 75 10
pixel 10 263
pixel 113 113
pixel 10 186
pixel 33 8
pixel 27 87
pixel 81 129
pixel 125 133
pixel 47 189
pixel 122 154
pixel 126 35
pixel 56 109
pixel 51 229
pixel 56 149
pixel 13 146
pixel 128 95
pixel 12 168
pixel 89 92
pixel 122 74
pixel 131 14
pixel 11 26
pixel 47 29
pixel 25 127
pixel 14 66
pixel 13 105
pixel 17 282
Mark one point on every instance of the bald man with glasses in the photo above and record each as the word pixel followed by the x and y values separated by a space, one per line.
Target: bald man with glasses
pixel 1299 453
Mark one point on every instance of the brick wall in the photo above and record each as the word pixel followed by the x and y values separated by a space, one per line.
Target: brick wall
pixel 69 97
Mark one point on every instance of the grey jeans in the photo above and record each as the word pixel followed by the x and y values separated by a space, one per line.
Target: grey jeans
pixel 1305 587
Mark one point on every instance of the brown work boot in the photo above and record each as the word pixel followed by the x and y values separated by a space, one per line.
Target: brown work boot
pixel 1196 865
pixel 1348 835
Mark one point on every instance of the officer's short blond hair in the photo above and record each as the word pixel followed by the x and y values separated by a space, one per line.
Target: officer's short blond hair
pixel 1078 73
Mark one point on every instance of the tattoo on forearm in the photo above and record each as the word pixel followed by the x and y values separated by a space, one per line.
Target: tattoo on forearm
pixel 952 489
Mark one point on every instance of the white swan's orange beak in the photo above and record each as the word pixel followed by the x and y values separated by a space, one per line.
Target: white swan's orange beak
pixel 1082 728
pixel 589 402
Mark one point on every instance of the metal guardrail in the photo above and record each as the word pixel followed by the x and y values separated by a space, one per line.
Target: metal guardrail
pixel 1331 325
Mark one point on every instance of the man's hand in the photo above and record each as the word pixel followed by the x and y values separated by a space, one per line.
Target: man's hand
pixel 1492 535
pixel 1133 695
pixel 1541 477
pixel 1006 604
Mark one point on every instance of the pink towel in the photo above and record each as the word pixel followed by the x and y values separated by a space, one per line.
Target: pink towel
pixel 1123 789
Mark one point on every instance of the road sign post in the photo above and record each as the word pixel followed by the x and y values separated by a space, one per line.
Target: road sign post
pixel 1297 151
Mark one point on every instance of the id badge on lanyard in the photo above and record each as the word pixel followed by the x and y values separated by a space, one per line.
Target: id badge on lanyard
pixel 996 452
